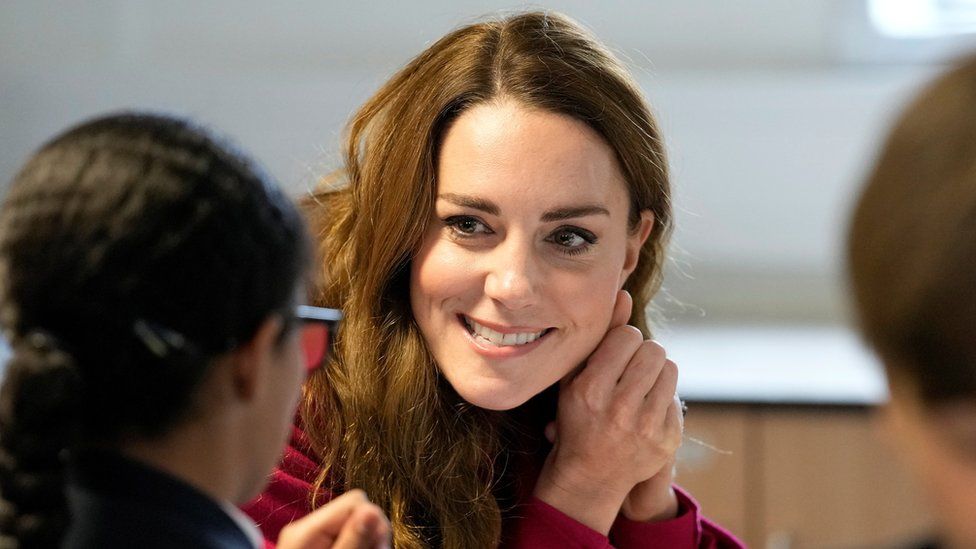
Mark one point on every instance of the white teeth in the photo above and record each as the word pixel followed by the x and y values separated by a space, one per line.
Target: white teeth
pixel 502 340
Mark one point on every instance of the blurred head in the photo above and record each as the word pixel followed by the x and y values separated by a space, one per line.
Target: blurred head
pixel 531 129
pixel 139 255
pixel 912 266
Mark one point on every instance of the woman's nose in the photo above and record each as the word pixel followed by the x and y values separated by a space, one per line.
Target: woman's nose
pixel 512 279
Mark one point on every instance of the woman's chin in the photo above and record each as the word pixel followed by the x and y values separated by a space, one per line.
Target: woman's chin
pixel 498 397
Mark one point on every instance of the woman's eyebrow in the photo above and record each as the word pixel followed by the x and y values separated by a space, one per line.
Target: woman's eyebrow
pixel 560 214
pixel 473 202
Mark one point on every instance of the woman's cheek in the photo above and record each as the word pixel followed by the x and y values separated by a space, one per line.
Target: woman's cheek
pixel 440 273
pixel 589 303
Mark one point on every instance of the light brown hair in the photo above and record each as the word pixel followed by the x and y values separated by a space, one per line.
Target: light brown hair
pixel 912 243
pixel 380 416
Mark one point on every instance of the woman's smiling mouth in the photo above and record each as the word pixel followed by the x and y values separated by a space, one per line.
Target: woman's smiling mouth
pixel 487 336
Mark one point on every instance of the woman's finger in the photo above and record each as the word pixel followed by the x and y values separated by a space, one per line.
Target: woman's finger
pixel 682 410
pixel 366 528
pixel 661 398
pixel 609 360
pixel 641 373
pixel 621 314
pixel 622 309
pixel 673 422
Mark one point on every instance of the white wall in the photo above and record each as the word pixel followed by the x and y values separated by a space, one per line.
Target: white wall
pixel 770 121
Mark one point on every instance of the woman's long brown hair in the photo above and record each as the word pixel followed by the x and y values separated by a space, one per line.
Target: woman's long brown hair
pixel 379 416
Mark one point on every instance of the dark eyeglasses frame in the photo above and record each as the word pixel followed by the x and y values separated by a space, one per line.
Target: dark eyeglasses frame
pixel 161 340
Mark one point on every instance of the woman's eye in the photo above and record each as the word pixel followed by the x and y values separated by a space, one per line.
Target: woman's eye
pixel 463 225
pixel 574 240
pixel 569 240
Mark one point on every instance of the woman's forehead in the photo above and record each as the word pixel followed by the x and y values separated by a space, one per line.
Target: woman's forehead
pixel 509 153
pixel 510 131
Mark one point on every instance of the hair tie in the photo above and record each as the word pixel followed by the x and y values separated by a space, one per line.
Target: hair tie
pixel 158 339
pixel 41 340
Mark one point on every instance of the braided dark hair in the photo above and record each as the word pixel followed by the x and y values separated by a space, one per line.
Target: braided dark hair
pixel 120 233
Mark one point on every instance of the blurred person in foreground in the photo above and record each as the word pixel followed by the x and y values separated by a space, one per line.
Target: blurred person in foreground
pixel 912 265
pixel 151 288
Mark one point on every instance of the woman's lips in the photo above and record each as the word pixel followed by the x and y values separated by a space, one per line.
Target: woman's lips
pixel 502 342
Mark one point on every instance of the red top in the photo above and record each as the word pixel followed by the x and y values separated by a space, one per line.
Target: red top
pixel 536 524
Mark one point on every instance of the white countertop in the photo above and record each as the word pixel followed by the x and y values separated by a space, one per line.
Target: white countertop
pixel 806 365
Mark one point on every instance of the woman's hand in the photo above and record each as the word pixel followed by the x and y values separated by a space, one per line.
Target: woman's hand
pixel 349 521
pixel 616 427
pixel 654 499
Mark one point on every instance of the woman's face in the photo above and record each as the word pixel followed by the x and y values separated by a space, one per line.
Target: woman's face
pixel 526 249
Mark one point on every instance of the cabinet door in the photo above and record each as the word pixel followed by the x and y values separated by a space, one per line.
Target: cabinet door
pixel 794 478
pixel 829 481
pixel 712 465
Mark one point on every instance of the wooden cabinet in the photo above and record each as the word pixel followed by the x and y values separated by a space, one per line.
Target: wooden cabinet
pixel 798 477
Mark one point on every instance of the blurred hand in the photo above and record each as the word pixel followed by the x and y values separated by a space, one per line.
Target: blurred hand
pixel 616 432
pixel 349 521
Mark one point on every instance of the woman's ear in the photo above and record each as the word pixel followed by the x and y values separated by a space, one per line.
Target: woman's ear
pixel 253 360
pixel 635 241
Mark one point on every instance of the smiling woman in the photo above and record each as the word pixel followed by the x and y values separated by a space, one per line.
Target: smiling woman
pixel 494 238
pixel 528 240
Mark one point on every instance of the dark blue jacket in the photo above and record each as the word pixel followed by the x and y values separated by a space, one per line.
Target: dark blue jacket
pixel 116 502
